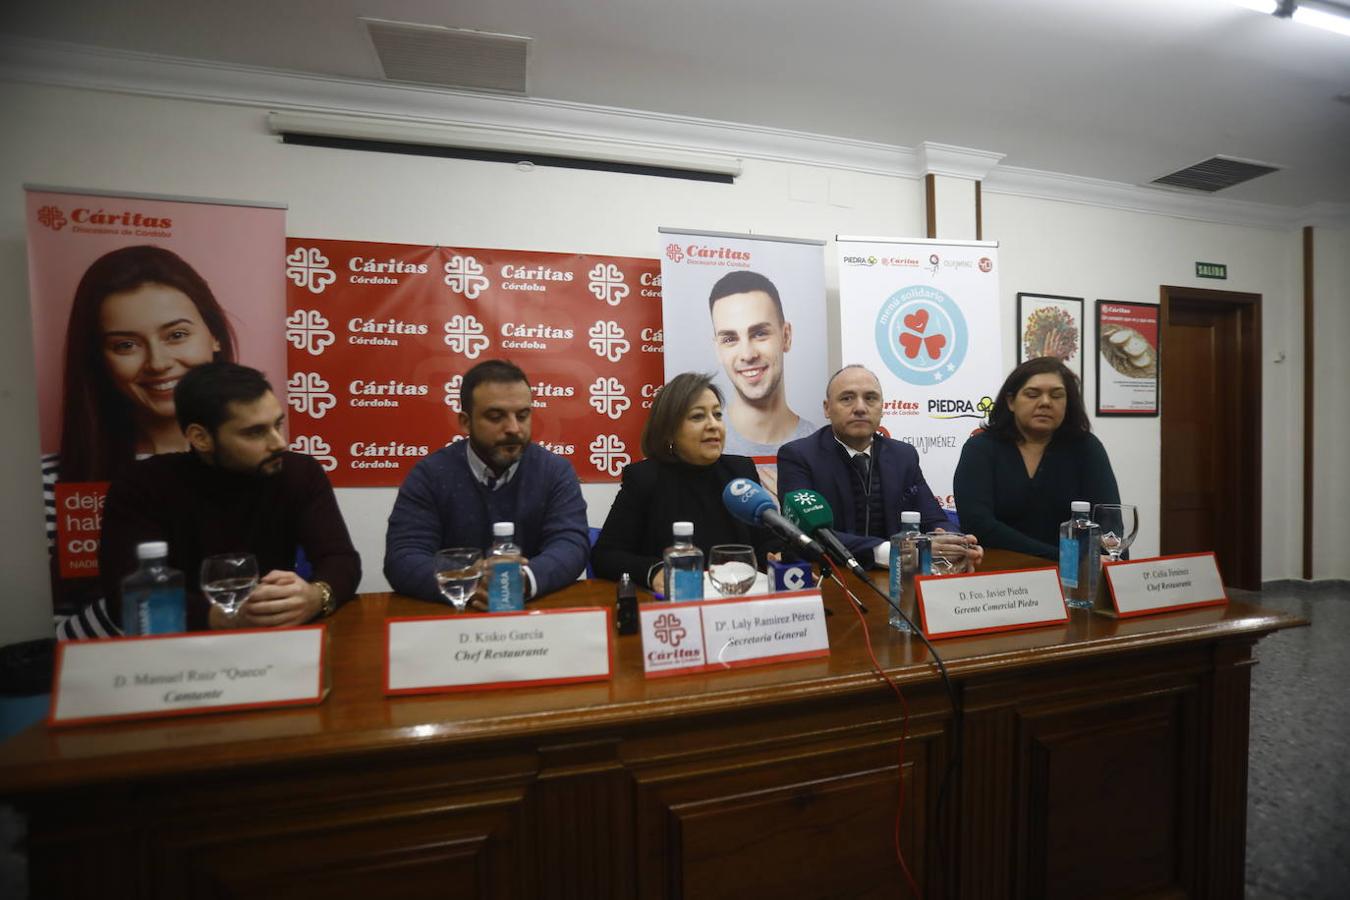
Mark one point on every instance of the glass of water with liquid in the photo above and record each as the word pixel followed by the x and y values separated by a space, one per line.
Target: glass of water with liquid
pixel 228 578
pixel 731 568
pixel 458 570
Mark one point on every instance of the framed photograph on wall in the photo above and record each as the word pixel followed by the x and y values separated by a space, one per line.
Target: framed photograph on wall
pixel 1050 325
pixel 1127 358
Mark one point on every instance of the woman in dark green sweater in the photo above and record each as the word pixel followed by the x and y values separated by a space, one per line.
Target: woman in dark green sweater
pixel 1037 454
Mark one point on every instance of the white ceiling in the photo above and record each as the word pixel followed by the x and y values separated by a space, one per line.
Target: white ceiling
pixel 1124 90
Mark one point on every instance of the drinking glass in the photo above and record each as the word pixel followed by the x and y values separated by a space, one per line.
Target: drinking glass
pixel 457 572
pixel 228 578
pixel 1119 524
pixel 949 554
pixel 731 568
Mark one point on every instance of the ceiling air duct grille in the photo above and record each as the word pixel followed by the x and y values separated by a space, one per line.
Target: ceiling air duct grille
pixel 450 57
pixel 1216 173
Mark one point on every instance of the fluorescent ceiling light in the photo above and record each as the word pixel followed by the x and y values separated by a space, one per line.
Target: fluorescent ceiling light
pixel 1324 20
pixel 477 137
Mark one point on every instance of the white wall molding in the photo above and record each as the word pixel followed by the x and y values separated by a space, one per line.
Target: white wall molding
pixel 97 69
pixel 69 65
pixel 958 162
pixel 1118 195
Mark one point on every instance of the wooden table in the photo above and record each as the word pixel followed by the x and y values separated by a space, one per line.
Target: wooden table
pixel 1100 758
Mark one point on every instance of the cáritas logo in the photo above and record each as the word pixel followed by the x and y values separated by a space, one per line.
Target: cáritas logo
pixel 51 217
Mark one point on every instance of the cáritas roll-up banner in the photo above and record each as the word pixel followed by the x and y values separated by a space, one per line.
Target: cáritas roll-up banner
pixel 380 336
pixel 750 309
pixel 129 292
pixel 924 315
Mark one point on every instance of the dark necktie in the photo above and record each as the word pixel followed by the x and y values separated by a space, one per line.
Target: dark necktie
pixel 491 482
pixel 861 462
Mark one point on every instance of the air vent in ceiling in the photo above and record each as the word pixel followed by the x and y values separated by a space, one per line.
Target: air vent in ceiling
pixel 450 57
pixel 1216 173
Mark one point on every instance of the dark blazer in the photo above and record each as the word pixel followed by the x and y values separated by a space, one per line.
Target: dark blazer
pixel 653 495
pixel 818 463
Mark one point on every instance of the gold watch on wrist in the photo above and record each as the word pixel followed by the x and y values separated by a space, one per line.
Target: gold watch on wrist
pixel 327 605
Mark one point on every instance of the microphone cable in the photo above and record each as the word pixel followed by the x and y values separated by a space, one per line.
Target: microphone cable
pixel 904 723
pixel 953 771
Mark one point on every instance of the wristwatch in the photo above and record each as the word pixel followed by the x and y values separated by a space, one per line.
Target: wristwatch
pixel 327 606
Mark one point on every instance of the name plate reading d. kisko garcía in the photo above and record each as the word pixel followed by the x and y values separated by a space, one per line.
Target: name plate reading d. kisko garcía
pixel 954 605
pixel 434 654
pixel 179 674
pixel 1163 583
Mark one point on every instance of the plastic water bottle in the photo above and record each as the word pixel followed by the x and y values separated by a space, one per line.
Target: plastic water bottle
pixel 909 556
pixel 153 599
pixel 683 565
pixel 506 585
pixel 1079 557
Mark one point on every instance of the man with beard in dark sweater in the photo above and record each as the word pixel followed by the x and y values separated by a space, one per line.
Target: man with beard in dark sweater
pixel 237 490
pixel 452 497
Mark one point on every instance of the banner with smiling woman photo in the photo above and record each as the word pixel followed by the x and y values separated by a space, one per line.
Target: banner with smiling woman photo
pixel 129 292
pixel 750 310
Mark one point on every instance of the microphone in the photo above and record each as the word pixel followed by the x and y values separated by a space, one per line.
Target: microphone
pixel 751 504
pixel 811 512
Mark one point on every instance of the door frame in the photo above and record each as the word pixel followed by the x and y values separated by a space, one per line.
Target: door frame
pixel 1246 430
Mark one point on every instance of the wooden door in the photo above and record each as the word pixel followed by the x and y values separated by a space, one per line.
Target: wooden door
pixel 1211 427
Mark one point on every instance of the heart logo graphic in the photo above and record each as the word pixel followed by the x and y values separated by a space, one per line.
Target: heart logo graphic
pixel 934 344
pixel 911 344
pixel 917 321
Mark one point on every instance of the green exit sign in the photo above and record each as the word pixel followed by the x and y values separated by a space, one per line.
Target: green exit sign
pixel 1211 270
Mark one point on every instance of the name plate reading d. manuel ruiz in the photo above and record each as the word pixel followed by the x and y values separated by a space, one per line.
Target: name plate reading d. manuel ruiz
pixel 954 605
pixel 435 654
pixel 1141 587
pixel 179 674
pixel 679 638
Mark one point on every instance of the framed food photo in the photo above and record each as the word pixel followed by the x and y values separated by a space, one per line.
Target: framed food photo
pixel 1127 358
pixel 1049 325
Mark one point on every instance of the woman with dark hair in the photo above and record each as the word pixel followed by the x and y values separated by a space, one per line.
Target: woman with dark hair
pixel 1036 455
pixel 141 318
pixel 681 479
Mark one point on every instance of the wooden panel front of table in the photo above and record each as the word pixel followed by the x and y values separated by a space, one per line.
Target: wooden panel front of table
pixel 1101 758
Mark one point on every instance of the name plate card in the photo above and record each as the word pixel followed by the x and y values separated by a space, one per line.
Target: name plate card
pixel 955 605
pixel 181 674
pixel 437 654
pixel 680 638
pixel 1145 586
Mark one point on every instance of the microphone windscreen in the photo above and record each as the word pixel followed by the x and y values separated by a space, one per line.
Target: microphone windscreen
pixel 747 500
pixel 808 510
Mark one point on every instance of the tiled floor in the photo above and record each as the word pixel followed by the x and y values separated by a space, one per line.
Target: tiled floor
pixel 1298 807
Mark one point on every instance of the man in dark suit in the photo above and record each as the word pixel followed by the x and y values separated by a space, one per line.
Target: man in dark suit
pixel 868 479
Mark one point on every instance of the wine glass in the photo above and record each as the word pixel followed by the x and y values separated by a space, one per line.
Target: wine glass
pixel 731 568
pixel 457 572
pixel 948 553
pixel 1119 523
pixel 228 578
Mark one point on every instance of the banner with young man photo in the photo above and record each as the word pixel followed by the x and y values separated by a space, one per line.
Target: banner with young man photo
pixel 924 316
pixel 128 292
pixel 750 310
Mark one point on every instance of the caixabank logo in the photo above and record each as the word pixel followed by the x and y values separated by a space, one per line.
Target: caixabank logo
pixel 921 335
